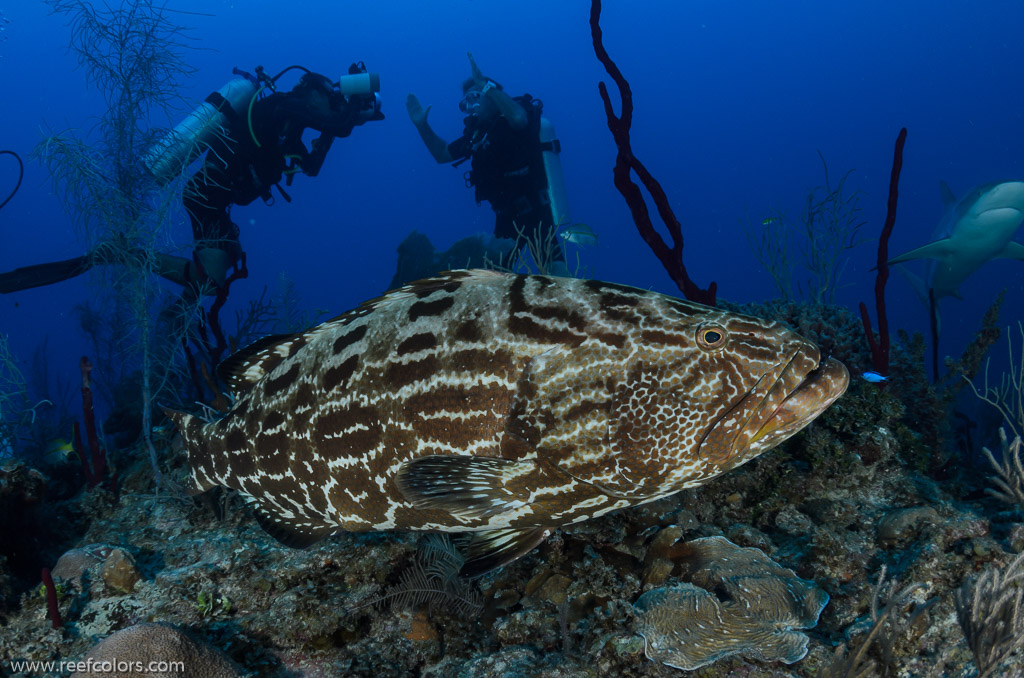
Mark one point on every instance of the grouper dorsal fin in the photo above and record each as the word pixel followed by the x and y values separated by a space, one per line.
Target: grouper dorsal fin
pixel 244 368
pixel 446 281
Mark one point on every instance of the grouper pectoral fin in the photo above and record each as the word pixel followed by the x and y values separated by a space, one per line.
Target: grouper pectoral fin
pixel 468 487
pixel 488 550
pixel 940 249
pixel 1012 250
pixel 475 487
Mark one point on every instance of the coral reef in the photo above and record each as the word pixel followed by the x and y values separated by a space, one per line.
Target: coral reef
pixel 991 612
pixel 1009 478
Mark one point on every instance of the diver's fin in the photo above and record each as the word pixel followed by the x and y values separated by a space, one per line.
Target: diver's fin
pixel 488 550
pixel 468 487
pixel 27 277
pixel 948 199
pixel 940 249
pixel 288 532
pixel 1013 250
pixel 245 367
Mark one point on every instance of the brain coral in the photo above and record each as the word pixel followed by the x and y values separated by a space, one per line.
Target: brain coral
pixel 156 651
pixel 737 601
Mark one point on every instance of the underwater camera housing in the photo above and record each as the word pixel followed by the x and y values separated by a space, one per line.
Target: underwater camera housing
pixel 362 86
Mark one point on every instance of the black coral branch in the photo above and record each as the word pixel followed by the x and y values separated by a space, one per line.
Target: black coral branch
pixel 434 580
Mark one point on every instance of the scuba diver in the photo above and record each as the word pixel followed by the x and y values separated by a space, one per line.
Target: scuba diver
pixel 252 141
pixel 513 154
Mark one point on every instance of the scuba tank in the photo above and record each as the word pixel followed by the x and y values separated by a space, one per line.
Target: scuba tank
pixel 555 191
pixel 183 144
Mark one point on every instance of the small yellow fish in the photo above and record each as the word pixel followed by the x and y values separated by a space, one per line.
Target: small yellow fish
pixel 769 221
pixel 58 451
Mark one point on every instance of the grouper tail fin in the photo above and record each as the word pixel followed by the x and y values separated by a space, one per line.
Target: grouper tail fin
pixel 197 447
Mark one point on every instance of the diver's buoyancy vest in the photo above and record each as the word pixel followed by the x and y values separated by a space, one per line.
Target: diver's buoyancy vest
pixel 519 171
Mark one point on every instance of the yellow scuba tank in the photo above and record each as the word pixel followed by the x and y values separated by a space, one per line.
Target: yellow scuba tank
pixel 555 191
pixel 183 144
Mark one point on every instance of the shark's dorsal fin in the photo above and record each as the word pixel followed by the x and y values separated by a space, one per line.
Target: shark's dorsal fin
pixel 948 199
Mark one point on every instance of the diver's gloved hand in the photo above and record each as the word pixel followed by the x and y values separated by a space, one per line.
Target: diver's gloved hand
pixel 417 113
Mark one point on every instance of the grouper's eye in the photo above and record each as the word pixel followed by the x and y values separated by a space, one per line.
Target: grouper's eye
pixel 711 337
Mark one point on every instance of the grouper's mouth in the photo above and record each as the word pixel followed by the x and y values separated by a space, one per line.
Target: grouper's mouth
pixel 783 401
pixel 812 396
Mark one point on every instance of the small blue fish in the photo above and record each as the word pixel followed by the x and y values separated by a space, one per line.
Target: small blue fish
pixel 873 377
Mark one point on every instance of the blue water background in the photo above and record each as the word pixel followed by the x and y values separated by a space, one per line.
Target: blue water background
pixel 733 101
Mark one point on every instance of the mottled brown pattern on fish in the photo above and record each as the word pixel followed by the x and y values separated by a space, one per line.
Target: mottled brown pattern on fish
pixel 595 396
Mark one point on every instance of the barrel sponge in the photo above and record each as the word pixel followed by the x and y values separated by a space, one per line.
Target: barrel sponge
pixel 172 654
pixel 733 601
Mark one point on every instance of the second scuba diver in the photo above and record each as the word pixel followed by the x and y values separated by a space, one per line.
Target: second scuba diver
pixel 513 154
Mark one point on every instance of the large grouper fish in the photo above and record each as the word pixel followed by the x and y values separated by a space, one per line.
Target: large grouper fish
pixel 501 405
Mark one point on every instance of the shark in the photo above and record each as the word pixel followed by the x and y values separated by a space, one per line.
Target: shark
pixel 977 228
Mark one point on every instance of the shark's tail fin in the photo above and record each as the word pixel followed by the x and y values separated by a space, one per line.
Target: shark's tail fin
pixel 197 446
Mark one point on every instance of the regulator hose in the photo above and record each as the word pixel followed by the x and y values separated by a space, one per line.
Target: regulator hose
pixel 21 174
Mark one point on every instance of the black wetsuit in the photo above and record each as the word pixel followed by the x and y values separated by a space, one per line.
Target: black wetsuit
pixel 236 171
pixel 508 170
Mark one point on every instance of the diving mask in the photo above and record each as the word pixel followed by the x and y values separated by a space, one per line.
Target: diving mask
pixel 470 102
